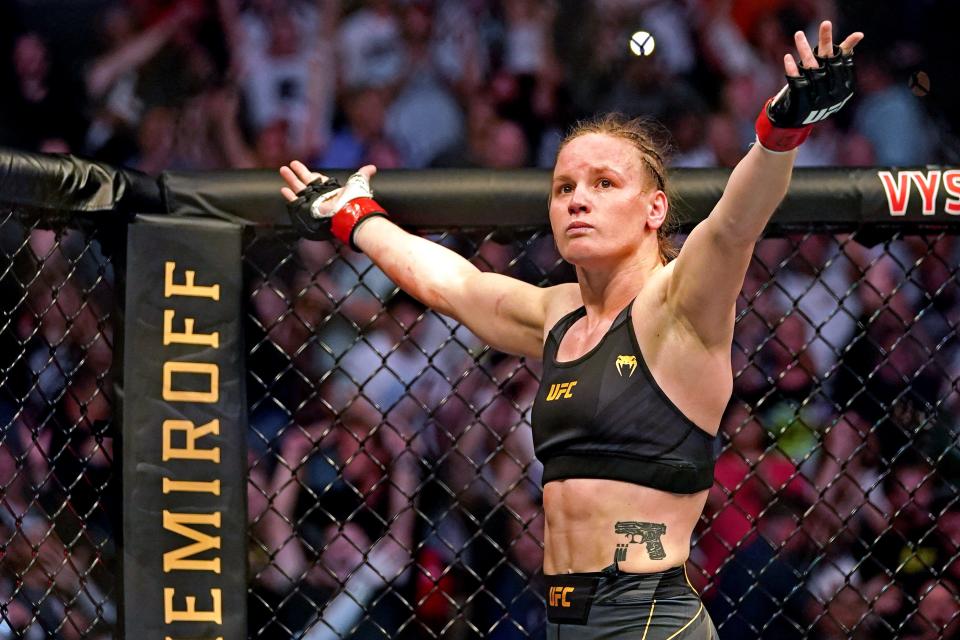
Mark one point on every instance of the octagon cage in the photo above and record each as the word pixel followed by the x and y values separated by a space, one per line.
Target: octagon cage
pixel 391 485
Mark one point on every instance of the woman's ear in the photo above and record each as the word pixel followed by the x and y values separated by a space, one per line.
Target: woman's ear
pixel 658 210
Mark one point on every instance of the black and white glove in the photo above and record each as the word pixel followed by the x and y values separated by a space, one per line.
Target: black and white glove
pixel 307 211
pixel 815 90
pixel 324 209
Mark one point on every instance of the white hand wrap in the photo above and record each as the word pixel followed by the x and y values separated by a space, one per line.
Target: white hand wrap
pixel 321 208
pixel 329 203
pixel 357 187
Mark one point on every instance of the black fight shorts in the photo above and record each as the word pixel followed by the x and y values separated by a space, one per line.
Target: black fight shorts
pixel 611 605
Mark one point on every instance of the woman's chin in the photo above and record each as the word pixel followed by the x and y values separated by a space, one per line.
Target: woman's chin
pixel 582 256
pixel 592 257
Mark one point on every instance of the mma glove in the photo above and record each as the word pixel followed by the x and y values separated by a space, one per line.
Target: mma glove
pixel 325 209
pixel 816 94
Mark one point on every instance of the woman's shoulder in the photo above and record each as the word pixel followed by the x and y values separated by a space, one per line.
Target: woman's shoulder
pixel 656 287
pixel 561 300
pixel 650 309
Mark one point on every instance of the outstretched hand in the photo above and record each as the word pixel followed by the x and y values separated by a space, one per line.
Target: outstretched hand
pixel 819 86
pixel 824 49
pixel 321 208
pixel 298 176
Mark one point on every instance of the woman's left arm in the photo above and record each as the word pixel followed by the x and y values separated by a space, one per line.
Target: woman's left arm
pixel 708 274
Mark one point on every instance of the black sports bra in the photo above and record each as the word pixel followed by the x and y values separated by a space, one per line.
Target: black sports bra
pixel 603 416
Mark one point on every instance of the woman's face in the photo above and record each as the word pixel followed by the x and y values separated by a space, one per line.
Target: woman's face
pixel 601 200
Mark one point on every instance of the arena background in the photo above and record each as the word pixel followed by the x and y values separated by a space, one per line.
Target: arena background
pixel 390 485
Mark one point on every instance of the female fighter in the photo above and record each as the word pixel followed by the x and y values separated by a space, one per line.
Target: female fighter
pixel 636 353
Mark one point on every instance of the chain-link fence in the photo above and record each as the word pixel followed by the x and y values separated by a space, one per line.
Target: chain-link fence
pixel 59 499
pixel 394 493
pixel 392 486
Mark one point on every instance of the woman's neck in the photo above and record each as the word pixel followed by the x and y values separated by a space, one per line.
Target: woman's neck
pixel 605 292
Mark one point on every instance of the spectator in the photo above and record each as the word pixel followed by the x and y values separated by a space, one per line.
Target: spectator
pixel 424 119
pixel 759 591
pixel 750 474
pixel 505 146
pixel 354 566
pixel 890 117
pixel 362 139
pixel 114 80
pixel 280 53
pixel 371 46
pixel 43 109
pixel 938 613
pixel 905 549
pixel 512 610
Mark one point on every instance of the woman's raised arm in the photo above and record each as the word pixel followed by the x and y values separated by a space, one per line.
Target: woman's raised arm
pixel 708 274
pixel 508 314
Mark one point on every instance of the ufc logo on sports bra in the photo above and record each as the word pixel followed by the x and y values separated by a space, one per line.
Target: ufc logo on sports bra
pixel 561 390
pixel 558 596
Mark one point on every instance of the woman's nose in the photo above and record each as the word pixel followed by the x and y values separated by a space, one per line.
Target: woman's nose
pixel 579 201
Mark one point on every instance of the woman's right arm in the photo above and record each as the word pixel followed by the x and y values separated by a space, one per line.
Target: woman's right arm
pixel 507 313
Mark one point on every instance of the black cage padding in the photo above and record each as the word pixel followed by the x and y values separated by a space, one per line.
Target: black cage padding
pixel 59 184
pixel 839 199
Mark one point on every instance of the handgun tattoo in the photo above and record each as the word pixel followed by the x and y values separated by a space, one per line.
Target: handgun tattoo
pixel 649 533
pixel 620 555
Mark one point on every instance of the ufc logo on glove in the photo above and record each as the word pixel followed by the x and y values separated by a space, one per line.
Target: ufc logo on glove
pixel 823 114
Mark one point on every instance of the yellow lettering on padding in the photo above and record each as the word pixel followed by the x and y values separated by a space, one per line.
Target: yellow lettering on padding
pixel 210 486
pixel 190 614
pixel 188 336
pixel 171 289
pixel 212 371
pixel 191 434
pixel 176 560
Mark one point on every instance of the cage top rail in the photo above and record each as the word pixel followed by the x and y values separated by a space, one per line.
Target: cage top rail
pixel 61 184
pixel 837 199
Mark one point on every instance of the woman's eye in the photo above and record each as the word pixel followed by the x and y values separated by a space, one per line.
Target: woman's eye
pixel 605 183
pixel 566 188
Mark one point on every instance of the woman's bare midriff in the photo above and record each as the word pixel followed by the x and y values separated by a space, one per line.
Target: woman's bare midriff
pixel 590 522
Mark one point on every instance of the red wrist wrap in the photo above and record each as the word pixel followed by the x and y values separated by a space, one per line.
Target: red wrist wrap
pixel 779 138
pixel 345 221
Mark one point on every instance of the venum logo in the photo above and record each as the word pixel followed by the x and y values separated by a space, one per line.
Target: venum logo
pixel 626 363
pixel 897 189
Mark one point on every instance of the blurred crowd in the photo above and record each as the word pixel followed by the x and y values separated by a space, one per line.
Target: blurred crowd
pixel 202 84
pixel 393 489
pixel 834 513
